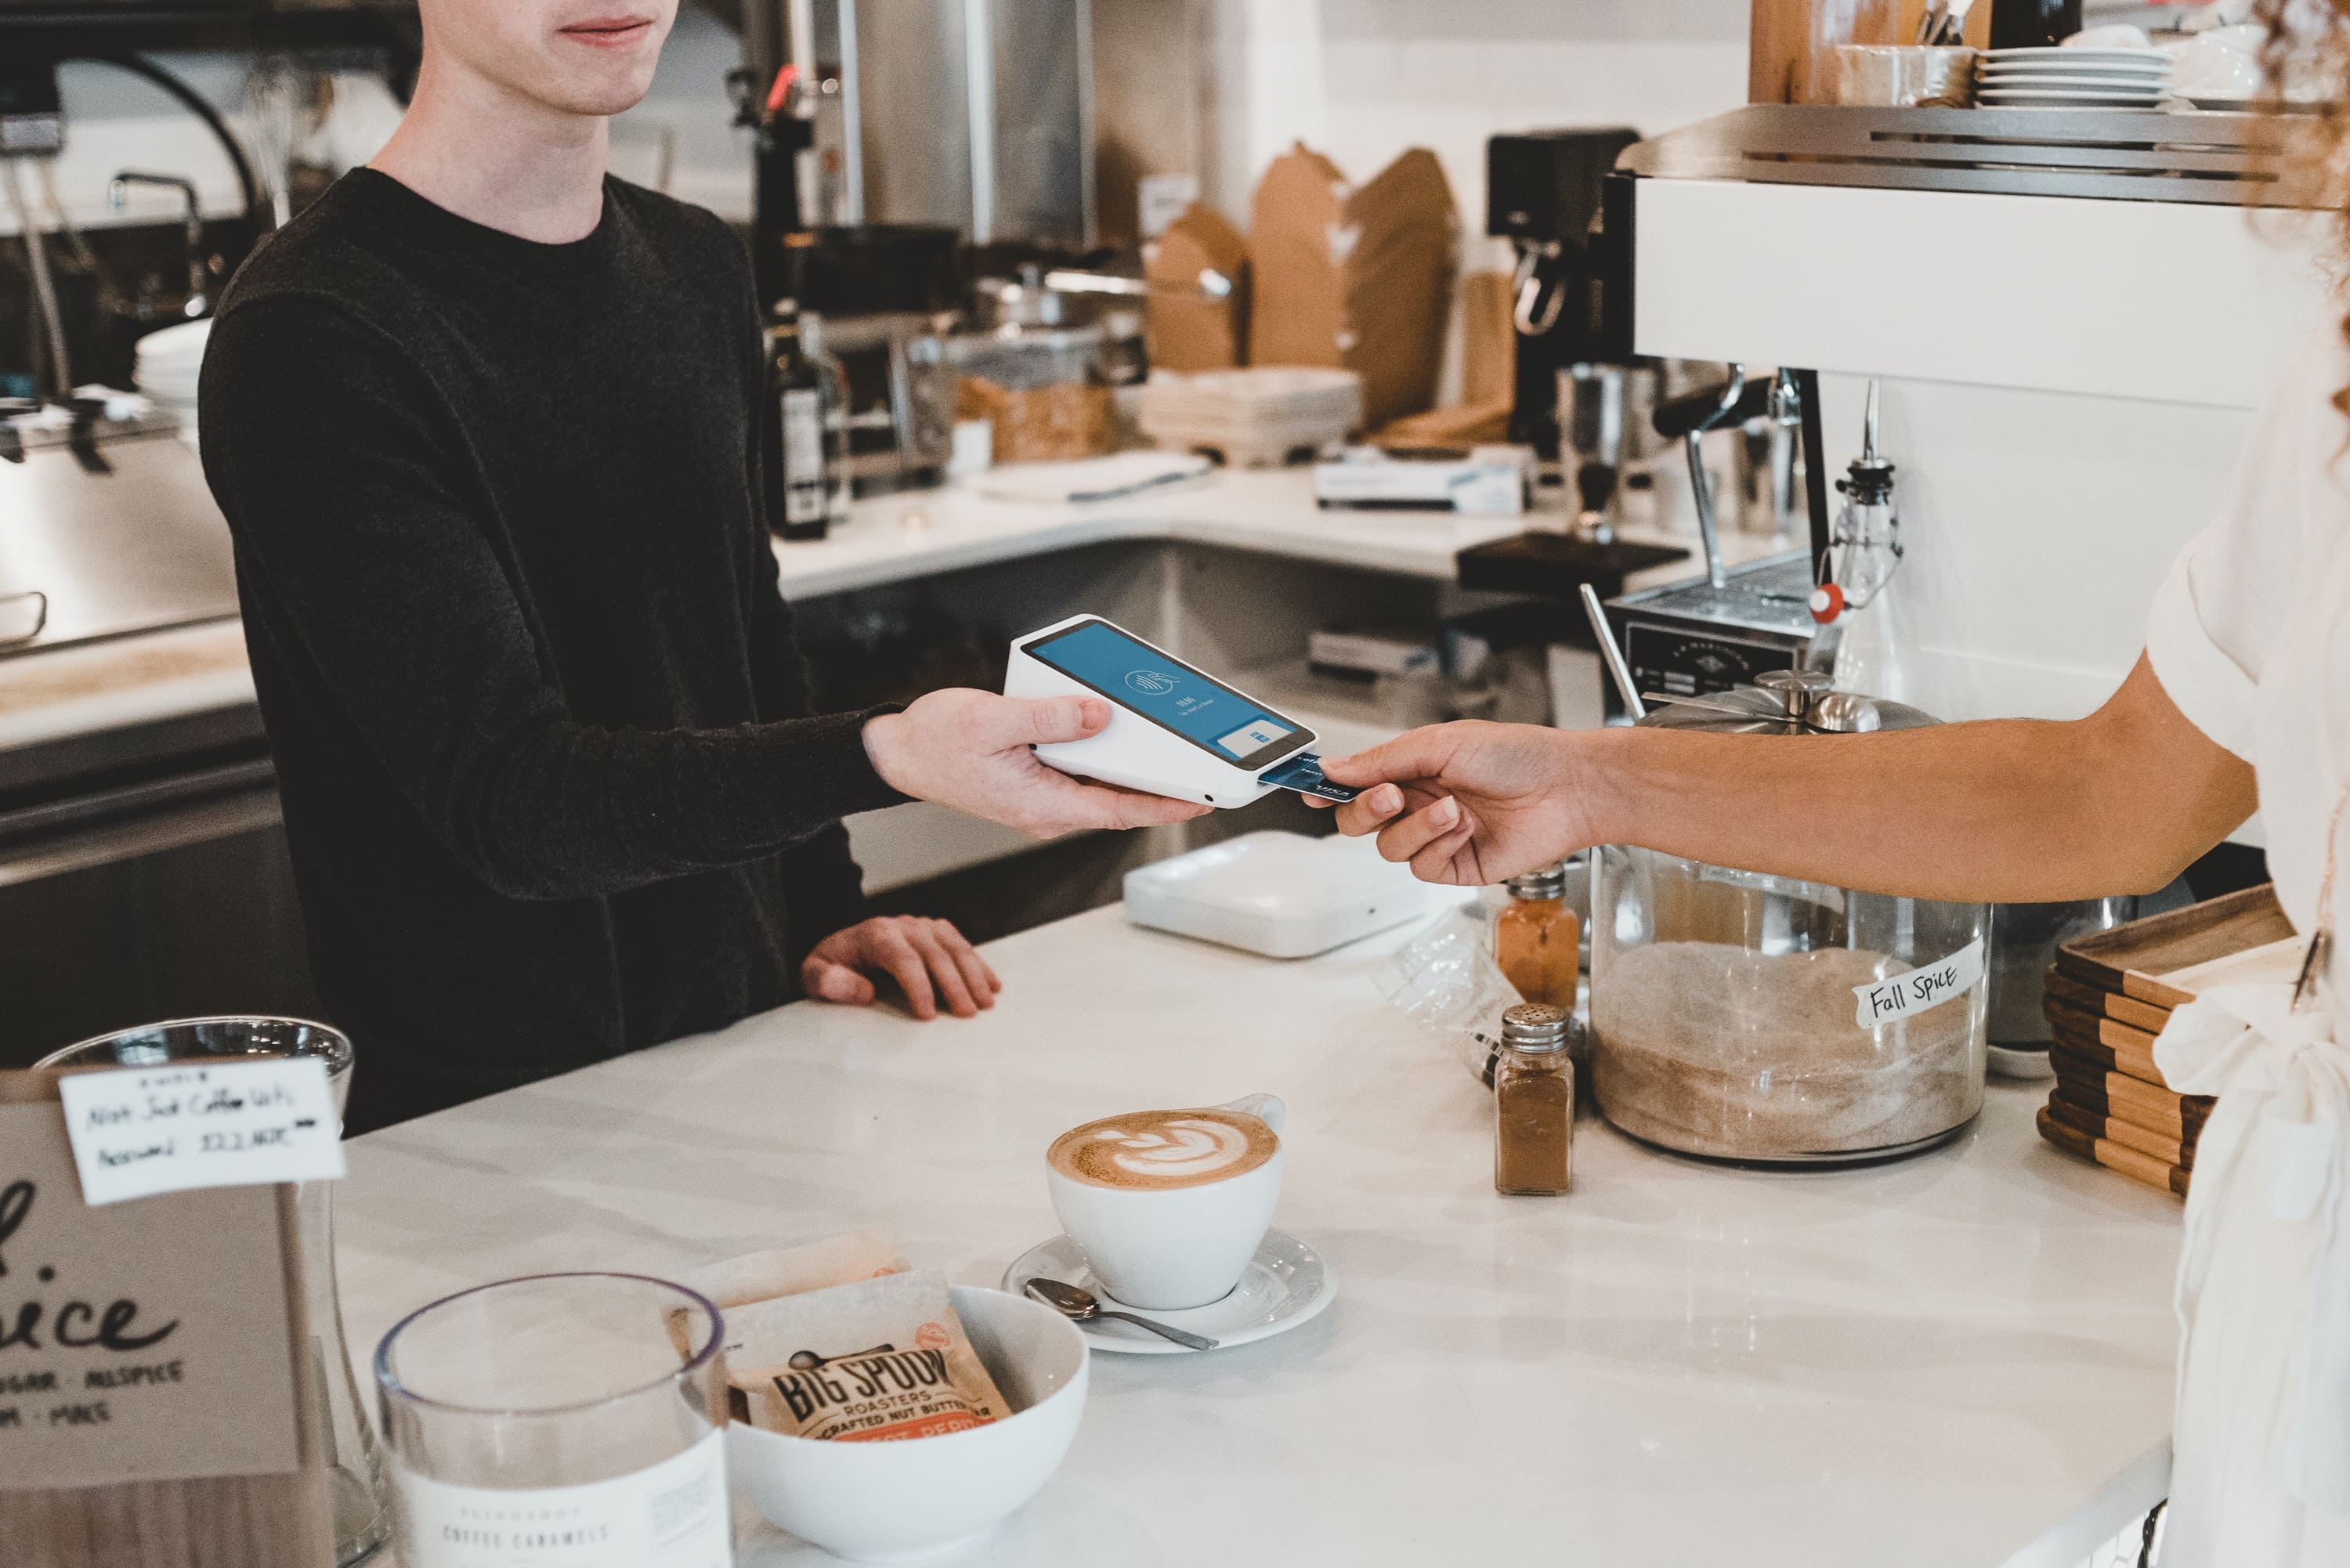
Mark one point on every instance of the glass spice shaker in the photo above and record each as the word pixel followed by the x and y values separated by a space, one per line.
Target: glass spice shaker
pixel 1536 936
pixel 1533 1103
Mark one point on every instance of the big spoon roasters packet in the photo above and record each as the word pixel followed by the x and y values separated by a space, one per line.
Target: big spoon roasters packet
pixel 874 1361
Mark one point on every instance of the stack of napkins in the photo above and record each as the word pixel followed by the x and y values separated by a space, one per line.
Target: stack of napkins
pixel 1256 417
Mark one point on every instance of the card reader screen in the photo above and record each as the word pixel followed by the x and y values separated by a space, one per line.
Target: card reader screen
pixel 1171 694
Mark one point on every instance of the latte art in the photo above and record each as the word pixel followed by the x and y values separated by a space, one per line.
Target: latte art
pixel 1163 1148
pixel 1190 1147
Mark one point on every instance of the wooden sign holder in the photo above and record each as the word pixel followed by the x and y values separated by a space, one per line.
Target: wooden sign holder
pixel 254 1522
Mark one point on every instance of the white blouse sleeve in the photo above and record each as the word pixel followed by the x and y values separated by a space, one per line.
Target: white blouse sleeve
pixel 2232 588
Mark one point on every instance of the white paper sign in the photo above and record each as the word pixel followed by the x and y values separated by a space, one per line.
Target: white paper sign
pixel 1930 985
pixel 674 1515
pixel 139 1131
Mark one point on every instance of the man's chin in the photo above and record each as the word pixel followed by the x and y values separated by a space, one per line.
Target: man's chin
pixel 602 101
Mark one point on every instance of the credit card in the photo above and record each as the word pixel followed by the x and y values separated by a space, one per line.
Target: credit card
pixel 1302 773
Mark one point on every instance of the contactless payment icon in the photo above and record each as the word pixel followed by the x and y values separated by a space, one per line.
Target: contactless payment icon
pixel 1151 682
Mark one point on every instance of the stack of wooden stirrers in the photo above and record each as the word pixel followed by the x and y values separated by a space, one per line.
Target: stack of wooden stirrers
pixel 2108 995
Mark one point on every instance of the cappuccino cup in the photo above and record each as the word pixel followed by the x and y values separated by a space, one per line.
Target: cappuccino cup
pixel 1169 1206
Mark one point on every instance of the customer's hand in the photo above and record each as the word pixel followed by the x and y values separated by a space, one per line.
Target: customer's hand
pixel 930 960
pixel 969 750
pixel 1467 804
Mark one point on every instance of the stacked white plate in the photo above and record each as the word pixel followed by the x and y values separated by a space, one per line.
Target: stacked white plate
pixel 166 364
pixel 2063 78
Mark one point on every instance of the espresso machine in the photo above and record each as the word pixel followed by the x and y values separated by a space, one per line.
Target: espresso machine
pixel 1541 193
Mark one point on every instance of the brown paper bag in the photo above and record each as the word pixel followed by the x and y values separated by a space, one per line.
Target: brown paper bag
pixel 1359 278
pixel 784 1271
pixel 1489 340
pixel 1188 329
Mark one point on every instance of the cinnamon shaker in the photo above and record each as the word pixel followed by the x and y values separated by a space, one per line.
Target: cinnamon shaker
pixel 1536 939
pixel 1533 1103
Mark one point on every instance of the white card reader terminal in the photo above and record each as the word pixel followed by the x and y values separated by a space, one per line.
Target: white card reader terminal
pixel 1173 730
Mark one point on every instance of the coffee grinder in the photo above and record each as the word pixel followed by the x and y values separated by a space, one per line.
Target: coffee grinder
pixel 1542 192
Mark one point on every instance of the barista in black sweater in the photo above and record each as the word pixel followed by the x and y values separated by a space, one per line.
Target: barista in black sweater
pixel 481 420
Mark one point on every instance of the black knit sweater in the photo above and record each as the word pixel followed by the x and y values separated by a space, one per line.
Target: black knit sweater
pixel 550 779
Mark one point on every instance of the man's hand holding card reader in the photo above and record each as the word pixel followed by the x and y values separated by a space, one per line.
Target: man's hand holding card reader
pixel 1174 731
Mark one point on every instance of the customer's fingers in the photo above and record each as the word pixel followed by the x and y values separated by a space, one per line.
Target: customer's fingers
pixel 829 981
pixel 1438 859
pixel 976 971
pixel 1369 811
pixel 1402 839
pixel 905 965
pixel 1414 754
pixel 1042 721
pixel 1062 805
pixel 945 974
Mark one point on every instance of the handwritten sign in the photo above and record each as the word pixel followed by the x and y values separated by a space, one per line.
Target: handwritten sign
pixel 140 1132
pixel 140 1342
pixel 1930 985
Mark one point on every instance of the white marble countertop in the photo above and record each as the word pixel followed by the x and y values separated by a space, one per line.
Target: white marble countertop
pixel 159 675
pixel 1270 511
pixel 1925 1363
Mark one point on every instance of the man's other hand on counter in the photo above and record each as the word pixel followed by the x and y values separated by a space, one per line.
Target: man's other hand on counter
pixel 931 961
pixel 969 750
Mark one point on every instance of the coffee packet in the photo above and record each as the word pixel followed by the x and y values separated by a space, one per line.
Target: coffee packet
pixel 784 1271
pixel 876 1360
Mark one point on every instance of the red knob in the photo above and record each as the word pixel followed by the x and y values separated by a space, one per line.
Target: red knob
pixel 1827 603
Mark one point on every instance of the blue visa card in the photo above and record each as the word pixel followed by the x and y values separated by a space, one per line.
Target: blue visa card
pixel 1302 773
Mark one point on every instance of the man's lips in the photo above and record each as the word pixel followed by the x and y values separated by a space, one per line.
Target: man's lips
pixel 610 32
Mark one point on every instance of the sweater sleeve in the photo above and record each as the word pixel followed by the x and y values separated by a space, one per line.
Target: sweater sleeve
pixel 344 481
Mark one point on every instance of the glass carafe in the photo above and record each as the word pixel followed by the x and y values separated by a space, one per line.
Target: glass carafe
pixel 355 1462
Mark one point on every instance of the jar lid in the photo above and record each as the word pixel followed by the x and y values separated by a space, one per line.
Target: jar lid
pixel 1534 1026
pixel 1787 702
pixel 1541 882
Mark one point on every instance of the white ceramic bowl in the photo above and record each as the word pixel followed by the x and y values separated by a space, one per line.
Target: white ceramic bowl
pixel 2220 64
pixel 925 1497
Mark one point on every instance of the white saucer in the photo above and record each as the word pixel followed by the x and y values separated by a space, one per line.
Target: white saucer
pixel 2146 59
pixel 2073 84
pixel 1286 1283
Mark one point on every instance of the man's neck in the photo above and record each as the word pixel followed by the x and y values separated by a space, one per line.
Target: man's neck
pixel 488 154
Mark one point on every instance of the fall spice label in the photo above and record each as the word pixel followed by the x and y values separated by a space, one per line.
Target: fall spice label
pixel 1915 990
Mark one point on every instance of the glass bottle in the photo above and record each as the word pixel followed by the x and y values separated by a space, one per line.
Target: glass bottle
pixel 1873 654
pixel 831 383
pixel 1536 936
pixel 795 432
pixel 1533 1103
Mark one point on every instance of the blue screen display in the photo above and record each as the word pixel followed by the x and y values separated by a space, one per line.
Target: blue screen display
pixel 1215 717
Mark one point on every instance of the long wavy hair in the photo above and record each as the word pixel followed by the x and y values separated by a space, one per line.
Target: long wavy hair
pixel 2310 39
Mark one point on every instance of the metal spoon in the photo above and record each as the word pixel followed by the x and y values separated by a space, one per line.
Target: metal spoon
pixel 1080 1306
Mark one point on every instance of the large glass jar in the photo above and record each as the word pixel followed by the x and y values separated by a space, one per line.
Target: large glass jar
pixel 1743 1016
